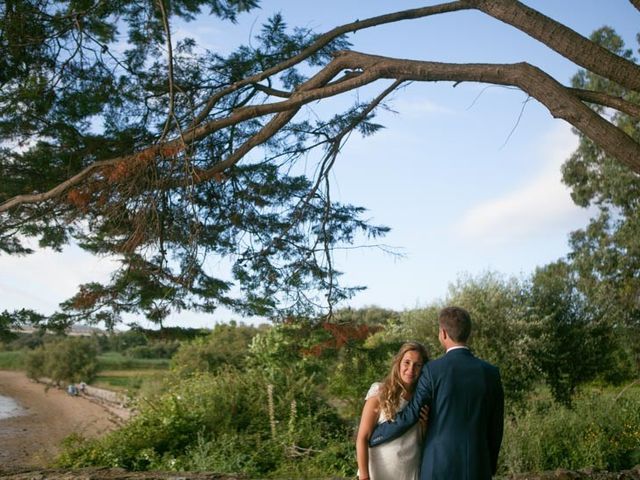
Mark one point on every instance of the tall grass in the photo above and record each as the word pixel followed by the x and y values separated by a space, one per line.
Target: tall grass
pixel 12 360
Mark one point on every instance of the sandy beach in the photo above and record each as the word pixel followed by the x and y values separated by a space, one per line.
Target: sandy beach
pixel 33 438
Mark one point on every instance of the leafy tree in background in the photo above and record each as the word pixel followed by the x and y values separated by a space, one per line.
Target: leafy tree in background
pixel 606 254
pixel 123 341
pixel 70 359
pixel 573 342
pixel 165 155
pixel 371 315
pixel 501 333
pixel 225 345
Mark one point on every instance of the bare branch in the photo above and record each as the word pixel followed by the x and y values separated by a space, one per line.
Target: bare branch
pixel 535 82
pixel 271 91
pixel 635 3
pixel 61 187
pixel 606 100
pixel 563 40
pixel 324 40
pixel 167 32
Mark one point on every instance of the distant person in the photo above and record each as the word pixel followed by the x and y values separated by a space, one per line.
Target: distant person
pixel 466 407
pixel 398 459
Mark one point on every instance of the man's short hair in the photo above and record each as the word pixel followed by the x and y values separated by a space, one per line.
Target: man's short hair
pixel 456 322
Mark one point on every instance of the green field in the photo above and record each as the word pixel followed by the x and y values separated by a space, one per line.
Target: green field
pixel 115 371
pixel 121 373
pixel 117 361
pixel 125 380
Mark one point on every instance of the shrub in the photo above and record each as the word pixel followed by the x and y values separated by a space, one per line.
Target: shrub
pixel 226 345
pixel 225 422
pixel 34 363
pixel 601 431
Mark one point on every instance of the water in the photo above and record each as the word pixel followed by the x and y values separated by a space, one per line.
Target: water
pixel 9 407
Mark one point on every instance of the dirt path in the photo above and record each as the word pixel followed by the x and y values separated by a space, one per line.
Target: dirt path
pixel 48 417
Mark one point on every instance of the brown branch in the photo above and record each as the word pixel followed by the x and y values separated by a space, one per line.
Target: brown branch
pixel 326 38
pixel 563 40
pixel 167 31
pixel 280 120
pixel 560 101
pixel 239 115
pixel 271 91
pixel 61 187
pixel 557 98
pixel 606 100
pixel 538 84
pixel 635 3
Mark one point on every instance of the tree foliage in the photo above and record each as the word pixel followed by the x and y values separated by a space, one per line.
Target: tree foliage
pixel 225 345
pixel 171 157
pixel 606 254
pixel 501 332
pixel 573 342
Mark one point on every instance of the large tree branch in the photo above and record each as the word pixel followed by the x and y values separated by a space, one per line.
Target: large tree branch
pixel 563 40
pixel 323 40
pixel 557 98
pixel 237 116
pixel 561 101
pixel 635 3
pixel 606 100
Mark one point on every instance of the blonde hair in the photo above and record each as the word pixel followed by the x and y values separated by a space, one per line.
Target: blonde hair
pixel 392 387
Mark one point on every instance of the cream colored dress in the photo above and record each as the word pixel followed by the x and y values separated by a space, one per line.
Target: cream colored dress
pixel 398 459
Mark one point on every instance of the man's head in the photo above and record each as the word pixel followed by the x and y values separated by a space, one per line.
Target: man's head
pixel 455 326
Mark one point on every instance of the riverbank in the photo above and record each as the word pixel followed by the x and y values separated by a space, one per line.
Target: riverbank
pixel 33 438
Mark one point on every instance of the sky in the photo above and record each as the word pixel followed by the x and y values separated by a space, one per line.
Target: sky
pixel 467 177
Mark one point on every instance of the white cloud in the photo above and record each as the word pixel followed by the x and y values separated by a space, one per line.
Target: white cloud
pixel 46 278
pixel 542 204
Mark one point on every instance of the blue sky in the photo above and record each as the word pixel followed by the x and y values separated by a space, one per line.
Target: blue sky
pixel 468 181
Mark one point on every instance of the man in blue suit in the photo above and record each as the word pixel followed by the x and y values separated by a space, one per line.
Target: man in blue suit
pixel 466 408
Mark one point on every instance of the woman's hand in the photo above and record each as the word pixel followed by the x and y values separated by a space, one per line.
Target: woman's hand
pixel 424 419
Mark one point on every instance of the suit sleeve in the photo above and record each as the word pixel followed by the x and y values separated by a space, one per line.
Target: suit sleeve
pixel 408 416
pixel 496 425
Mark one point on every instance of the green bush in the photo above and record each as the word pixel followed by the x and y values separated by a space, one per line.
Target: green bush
pixel 226 345
pixel 34 363
pixel 26 341
pixel 601 431
pixel 117 361
pixel 222 422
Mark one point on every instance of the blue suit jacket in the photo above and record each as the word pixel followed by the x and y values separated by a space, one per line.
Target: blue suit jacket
pixel 466 410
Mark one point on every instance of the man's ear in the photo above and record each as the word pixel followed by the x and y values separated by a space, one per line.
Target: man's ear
pixel 443 333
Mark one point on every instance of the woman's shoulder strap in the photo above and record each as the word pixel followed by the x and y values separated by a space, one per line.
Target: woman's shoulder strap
pixel 374 390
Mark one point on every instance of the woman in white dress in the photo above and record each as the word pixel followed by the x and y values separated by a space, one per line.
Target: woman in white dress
pixel 398 459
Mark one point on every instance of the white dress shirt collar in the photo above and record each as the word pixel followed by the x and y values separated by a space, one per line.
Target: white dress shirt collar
pixel 456 348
